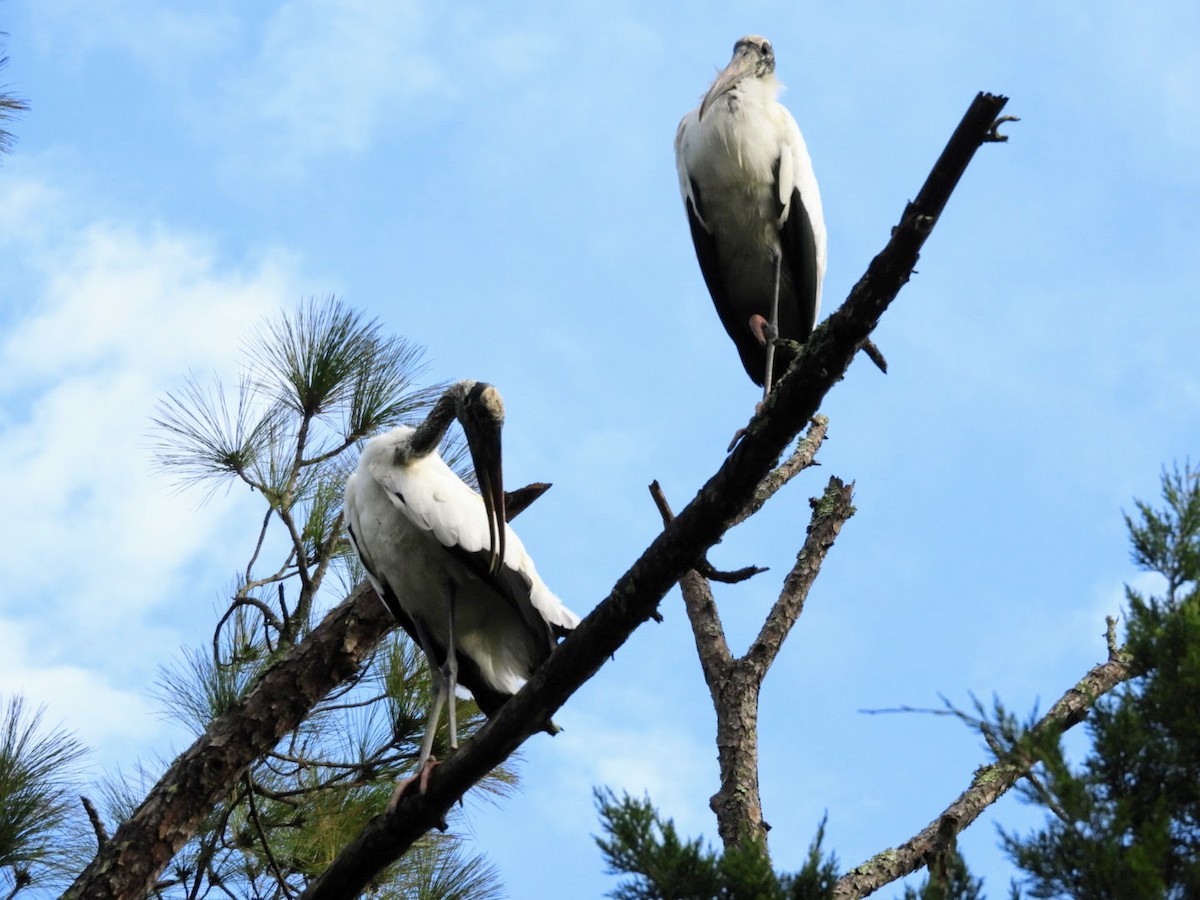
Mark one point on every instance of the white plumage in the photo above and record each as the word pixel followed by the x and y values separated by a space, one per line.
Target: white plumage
pixel 445 562
pixel 754 209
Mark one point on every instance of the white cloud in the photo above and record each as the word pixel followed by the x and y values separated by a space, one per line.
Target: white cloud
pixel 99 545
pixel 80 700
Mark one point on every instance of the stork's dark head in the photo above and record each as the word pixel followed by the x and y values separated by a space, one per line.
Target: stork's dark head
pixel 752 58
pixel 481 413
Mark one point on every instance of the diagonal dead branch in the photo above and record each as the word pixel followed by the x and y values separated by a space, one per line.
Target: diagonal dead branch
pixel 829 514
pixel 128 865
pixel 988 785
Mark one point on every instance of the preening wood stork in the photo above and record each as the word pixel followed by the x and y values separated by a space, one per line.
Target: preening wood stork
pixel 754 209
pixel 445 562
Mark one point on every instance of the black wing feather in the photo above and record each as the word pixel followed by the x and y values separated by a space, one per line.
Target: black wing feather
pixel 799 244
pixel 752 354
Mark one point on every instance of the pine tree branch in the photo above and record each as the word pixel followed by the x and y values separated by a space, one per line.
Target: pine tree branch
pixel 128 865
pixel 821 363
pixel 989 783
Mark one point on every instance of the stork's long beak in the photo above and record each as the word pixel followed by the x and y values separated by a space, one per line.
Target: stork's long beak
pixel 483 430
pixel 739 67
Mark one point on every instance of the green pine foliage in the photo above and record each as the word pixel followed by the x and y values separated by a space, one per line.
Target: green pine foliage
pixel 661 865
pixel 952 880
pixel 316 382
pixel 11 106
pixel 1126 820
pixel 37 799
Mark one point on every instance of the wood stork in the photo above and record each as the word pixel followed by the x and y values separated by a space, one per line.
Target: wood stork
pixel 754 209
pixel 445 562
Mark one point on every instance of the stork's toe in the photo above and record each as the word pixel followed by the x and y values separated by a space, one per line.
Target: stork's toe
pixel 762 329
pixel 405 785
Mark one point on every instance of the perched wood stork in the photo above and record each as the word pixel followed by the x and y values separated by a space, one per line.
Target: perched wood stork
pixel 752 203
pixel 445 562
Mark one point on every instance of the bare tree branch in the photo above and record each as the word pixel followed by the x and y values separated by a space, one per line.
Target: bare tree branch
pixel 735 684
pixel 829 514
pixel 987 786
pixel 802 458
pixel 875 355
pixel 704 568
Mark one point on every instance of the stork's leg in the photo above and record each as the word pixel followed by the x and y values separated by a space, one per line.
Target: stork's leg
pixel 774 330
pixel 450 669
pixel 440 691
pixel 425 759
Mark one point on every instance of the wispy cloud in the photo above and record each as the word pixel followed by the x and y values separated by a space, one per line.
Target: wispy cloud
pixel 119 722
pixel 116 316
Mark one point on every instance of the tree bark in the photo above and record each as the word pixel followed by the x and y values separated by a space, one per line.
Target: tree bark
pixel 128 865
pixel 735 683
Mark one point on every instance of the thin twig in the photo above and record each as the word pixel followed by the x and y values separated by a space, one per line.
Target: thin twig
pixel 875 355
pixel 803 456
pixel 238 602
pixel 97 822
pixel 258 545
pixel 262 837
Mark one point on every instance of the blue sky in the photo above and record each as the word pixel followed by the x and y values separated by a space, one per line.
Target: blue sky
pixel 496 182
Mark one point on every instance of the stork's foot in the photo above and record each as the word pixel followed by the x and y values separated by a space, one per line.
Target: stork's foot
pixel 741 432
pixel 421 780
pixel 762 329
pixel 737 437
